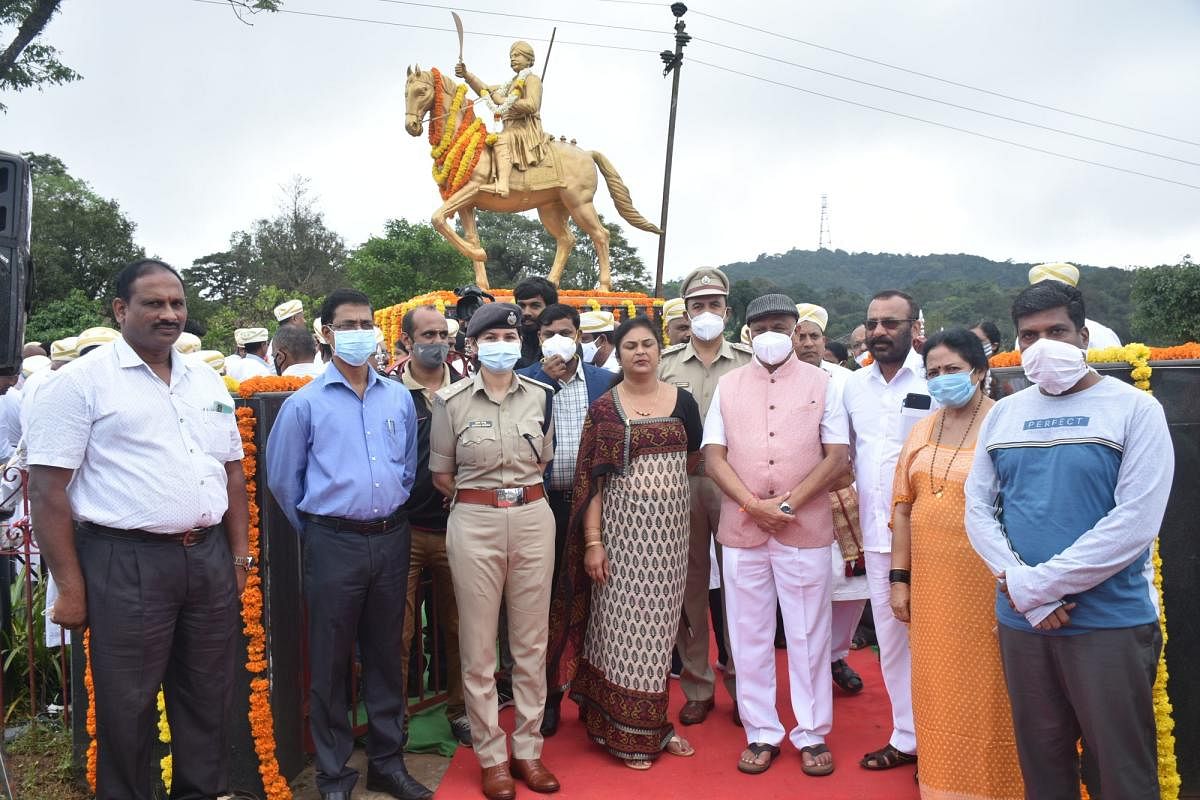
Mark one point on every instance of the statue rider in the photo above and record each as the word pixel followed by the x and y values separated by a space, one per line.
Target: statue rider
pixel 518 104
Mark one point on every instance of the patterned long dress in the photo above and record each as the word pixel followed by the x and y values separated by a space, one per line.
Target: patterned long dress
pixel 960 702
pixel 620 682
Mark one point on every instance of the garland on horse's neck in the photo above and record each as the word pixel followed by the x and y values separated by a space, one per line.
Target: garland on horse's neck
pixel 455 154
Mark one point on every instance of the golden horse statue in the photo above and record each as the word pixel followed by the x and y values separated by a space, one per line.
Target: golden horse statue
pixel 463 168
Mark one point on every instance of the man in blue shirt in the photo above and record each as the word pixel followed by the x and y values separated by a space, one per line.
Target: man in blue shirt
pixel 341 460
pixel 1064 501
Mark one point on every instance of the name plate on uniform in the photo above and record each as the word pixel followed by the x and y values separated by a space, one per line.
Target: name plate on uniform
pixel 479 423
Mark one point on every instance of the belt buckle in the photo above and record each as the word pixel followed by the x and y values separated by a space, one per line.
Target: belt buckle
pixel 506 498
pixel 190 537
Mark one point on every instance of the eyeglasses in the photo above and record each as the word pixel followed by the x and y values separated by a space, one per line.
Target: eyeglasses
pixel 353 326
pixel 886 324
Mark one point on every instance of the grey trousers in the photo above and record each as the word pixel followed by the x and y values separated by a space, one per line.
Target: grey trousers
pixel 161 613
pixel 356 586
pixel 1096 686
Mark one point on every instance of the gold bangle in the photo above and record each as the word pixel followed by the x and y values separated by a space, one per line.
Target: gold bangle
pixel 592 530
pixel 593 544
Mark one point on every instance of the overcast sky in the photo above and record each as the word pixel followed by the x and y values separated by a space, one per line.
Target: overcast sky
pixel 192 120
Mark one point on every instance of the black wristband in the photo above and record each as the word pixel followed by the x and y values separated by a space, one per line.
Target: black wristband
pixel 899 576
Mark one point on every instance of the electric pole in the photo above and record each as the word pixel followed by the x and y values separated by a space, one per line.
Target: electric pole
pixel 823 242
pixel 672 63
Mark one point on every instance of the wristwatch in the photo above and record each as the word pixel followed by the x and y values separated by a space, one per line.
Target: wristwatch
pixel 245 563
pixel 787 509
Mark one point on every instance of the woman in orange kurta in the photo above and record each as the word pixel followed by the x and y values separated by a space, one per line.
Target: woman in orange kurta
pixel 942 588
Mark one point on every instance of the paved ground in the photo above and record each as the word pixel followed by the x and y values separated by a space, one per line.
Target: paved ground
pixel 428 769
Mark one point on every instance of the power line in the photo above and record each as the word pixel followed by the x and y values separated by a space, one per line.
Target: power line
pixel 945 125
pixel 389 23
pixel 940 79
pixel 656 31
pixel 948 103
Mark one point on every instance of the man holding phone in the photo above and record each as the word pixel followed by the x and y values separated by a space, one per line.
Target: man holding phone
pixel 883 401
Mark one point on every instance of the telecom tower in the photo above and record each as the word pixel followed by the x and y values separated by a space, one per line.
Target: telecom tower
pixel 823 242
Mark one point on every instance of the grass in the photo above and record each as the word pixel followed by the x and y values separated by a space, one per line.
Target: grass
pixel 39 764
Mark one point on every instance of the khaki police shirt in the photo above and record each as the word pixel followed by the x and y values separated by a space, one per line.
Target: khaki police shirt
pixel 490 445
pixel 682 367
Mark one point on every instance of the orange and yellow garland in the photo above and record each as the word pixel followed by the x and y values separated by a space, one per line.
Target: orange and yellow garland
pixel 455 153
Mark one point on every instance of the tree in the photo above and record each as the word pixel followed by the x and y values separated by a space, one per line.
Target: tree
pixel 66 316
pixel 25 62
pixel 407 260
pixel 80 239
pixel 629 273
pixel 1166 303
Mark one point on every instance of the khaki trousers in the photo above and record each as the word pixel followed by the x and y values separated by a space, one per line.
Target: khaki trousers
pixel 429 550
pixel 502 553
pixel 697 678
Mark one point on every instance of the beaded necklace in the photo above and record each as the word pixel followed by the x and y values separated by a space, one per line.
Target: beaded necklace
pixel 933 461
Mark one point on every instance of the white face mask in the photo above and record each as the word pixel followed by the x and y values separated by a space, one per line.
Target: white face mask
pixel 1053 365
pixel 589 351
pixel 559 345
pixel 707 326
pixel 771 347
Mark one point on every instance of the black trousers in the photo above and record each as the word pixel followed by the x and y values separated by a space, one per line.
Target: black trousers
pixel 161 614
pixel 355 586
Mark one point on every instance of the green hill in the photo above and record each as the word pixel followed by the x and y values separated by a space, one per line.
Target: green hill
pixel 952 289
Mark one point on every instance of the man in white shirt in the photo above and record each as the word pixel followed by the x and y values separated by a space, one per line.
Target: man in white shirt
pixel 295 352
pixel 137 487
pixel 883 402
pixel 254 363
pixel 596 332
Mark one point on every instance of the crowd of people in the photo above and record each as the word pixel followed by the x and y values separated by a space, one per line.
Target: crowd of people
pixel 574 485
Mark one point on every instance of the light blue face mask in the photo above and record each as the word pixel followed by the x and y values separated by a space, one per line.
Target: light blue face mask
pixel 953 390
pixel 354 347
pixel 499 356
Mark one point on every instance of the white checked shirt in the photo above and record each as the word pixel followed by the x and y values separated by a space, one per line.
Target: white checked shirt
pixel 146 456
pixel 878 428
pixel 570 409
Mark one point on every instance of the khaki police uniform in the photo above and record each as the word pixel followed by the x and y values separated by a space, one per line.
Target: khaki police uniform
pixel 500 545
pixel 682 366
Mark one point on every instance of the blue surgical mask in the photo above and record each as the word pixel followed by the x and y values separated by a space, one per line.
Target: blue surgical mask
pixel 499 356
pixel 953 390
pixel 354 346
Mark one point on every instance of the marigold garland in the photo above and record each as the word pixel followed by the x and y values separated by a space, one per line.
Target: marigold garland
pixel 90 723
pixel 166 764
pixel 271 383
pixel 456 152
pixel 1138 356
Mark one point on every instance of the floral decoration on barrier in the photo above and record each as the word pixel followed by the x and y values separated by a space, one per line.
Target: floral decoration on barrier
pixel 1137 355
pixel 624 305
pixel 90 725
pixel 166 764
pixel 271 383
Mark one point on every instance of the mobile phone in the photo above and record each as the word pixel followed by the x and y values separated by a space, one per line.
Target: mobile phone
pixel 917 401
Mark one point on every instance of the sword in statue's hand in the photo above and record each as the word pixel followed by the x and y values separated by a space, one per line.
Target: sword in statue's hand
pixel 458 25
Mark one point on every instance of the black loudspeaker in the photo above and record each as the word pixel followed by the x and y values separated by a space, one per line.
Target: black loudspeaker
pixel 16 268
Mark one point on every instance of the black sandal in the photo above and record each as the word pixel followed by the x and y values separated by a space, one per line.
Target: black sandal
pixel 846 678
pixel 887 758
pixel 815 770
pixel 758 748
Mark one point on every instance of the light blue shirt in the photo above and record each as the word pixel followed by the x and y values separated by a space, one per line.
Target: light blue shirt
pixel 336 455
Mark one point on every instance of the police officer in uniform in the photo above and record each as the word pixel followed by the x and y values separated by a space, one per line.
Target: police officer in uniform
pixel 490 442
pixel 697 365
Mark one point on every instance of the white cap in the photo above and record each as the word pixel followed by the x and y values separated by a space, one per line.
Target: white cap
pixel 288 309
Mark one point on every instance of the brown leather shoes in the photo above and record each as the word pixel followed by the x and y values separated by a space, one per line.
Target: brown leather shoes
pixel 535 774
pixel 695 711
pixel 498 783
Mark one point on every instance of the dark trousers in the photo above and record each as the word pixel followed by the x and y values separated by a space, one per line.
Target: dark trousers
pixel 161 614
pixel 560 506
pixel 355 586
pixel 1096 686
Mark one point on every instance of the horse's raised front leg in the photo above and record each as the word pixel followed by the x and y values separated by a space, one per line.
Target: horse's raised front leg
pixel 441 223
pixel 466 215
pixel 555 219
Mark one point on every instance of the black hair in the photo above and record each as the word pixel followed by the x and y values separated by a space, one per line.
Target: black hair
pixel 962 342
pixel 338 298
pixel 627 327
pixel 556 311
pixel 131 272
pixel 256 348
pixel 196 327
pixel 406 323
pixel 536 287
pixel 297 341
pixel 991 331
pixel 838 349
pixel 888 294
pixel 1046 295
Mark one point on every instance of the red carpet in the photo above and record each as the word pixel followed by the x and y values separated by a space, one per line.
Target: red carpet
pixel 860 723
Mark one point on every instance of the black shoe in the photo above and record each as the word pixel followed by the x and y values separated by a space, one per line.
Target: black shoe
pixel 461 728
pixel 551 716
pixel 335 795
pixel 504 695
pixel 845 677
pixel 398 784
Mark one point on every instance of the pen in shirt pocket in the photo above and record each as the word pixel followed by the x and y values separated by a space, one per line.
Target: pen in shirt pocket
pixel 391 425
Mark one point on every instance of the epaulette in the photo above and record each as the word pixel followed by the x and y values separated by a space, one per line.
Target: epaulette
pixel 744 348
pixel 446 392
pixel 535 382
pixel 675 348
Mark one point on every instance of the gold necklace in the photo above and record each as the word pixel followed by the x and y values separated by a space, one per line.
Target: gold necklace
pixel 933 461
pixel 630 397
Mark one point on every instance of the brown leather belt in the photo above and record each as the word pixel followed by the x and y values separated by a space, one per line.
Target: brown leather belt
pixel 185 538
pixel 501 498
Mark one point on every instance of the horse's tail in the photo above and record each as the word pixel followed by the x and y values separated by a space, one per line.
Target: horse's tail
pixel 620 195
